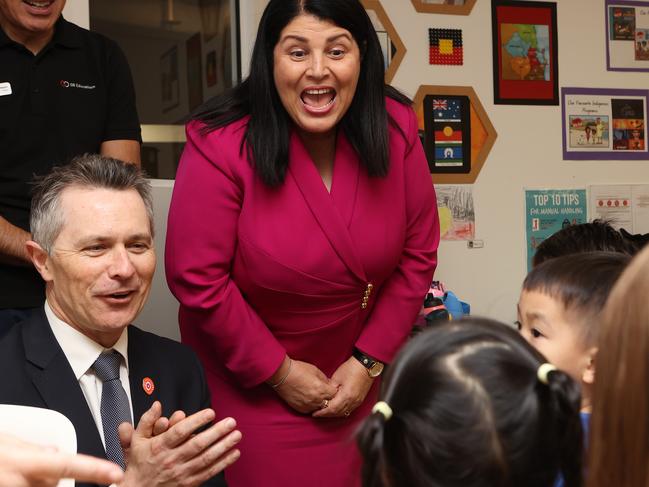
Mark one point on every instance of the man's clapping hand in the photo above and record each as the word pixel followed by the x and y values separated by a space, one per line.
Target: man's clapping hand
pixel 181 455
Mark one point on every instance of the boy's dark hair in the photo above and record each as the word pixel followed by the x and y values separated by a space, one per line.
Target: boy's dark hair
pixel 469 410
pixel 581 283
pixel 584 237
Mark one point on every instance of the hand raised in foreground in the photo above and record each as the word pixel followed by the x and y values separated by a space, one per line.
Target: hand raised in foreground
pixel 180 455
pixel 353 383
pixel 24 464
pixel 305 388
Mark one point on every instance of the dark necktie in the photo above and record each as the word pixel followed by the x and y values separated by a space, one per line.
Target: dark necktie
pixel 115 408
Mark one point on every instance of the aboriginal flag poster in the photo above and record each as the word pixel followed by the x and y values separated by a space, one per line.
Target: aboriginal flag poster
pixel 447 138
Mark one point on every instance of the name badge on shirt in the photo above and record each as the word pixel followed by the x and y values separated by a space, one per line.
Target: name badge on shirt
pixel 5 88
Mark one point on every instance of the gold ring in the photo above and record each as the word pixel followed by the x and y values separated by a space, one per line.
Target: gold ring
pixel 325 404
pixel 346 413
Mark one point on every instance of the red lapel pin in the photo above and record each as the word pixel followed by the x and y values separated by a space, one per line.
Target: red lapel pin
pixel 148 385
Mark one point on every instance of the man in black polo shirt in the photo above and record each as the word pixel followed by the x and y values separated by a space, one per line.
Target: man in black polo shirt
pixel 63 91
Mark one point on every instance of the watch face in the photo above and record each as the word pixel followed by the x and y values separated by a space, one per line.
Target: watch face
pixel 376 369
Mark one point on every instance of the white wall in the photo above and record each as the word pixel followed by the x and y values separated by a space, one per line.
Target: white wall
pixel 249 12
pixel 526 154
pixel 77 12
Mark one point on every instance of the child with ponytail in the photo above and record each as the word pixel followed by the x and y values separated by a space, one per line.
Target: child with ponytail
pixel 472 404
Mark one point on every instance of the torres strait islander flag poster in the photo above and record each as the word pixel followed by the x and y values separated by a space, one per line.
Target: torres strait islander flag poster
pixel 447 126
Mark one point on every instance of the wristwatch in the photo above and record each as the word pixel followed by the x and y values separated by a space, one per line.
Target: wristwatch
pixel 374 367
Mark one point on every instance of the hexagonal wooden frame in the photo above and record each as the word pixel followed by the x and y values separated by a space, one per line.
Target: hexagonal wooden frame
pixel 392 33
pixel 444 9
pixel 478 154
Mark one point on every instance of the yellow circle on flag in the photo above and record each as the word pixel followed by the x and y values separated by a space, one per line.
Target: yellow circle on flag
pixel 448 131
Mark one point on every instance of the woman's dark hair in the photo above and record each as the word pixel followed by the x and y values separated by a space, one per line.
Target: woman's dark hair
pixel 470 411
pixel 584 237
pixel 267 136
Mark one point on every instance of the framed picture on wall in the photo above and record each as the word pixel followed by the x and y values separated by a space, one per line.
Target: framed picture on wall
pixel 455 131
pixel 169 80
pixel 453 7
pixel 447 133
pixel 604 124
pixel 194 71
pixel 525 62
pixel 392 47
pixel 627 35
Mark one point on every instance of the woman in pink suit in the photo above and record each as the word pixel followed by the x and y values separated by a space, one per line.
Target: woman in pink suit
pixel 301 241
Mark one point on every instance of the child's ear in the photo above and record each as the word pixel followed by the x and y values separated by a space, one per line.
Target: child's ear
pixel 589 372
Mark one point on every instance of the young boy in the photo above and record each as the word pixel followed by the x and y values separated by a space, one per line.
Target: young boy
pixel 559 308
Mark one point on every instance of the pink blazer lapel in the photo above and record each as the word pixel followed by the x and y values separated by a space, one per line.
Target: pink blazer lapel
pixel 332 211
pixel 344 188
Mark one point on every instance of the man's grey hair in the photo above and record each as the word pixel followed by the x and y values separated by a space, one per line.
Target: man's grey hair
pixel 86 171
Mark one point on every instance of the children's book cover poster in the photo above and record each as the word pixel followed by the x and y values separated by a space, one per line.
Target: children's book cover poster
pixel 628 124
pixel 548 211
pixel 456 211
pixel 447 133
pixel 627 29
pixel 622 23
pixel 642 45
pixel 604 124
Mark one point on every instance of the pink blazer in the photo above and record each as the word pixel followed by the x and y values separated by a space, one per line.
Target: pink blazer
pixel 261 272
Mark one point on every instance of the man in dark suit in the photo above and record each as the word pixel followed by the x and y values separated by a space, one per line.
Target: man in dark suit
pixel 92 228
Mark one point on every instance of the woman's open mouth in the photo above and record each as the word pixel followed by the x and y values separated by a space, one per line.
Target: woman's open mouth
pixel 318 100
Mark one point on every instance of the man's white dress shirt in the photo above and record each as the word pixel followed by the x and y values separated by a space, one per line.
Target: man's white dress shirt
pixel 81 353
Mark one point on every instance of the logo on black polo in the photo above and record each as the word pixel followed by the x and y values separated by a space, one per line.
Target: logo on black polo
pixel 71 84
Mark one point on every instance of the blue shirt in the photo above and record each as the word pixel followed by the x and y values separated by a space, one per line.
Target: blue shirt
pixel 585 426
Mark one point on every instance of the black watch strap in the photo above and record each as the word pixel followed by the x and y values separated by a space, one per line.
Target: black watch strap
pixel 374 367
pixel 365 360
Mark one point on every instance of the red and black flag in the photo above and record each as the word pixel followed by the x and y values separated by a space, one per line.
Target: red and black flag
pixel 445 46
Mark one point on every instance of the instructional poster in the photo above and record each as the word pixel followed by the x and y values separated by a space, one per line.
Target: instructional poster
pixel 548 211
pixel 623 205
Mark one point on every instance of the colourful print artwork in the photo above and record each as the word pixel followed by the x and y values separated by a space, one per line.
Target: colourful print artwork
pixel 524 40
pixel 525 52
pixel 589 131
pixel 447 133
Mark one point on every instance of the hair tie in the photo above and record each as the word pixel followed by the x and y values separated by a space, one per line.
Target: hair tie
pixel 543 371
pixel 383 408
